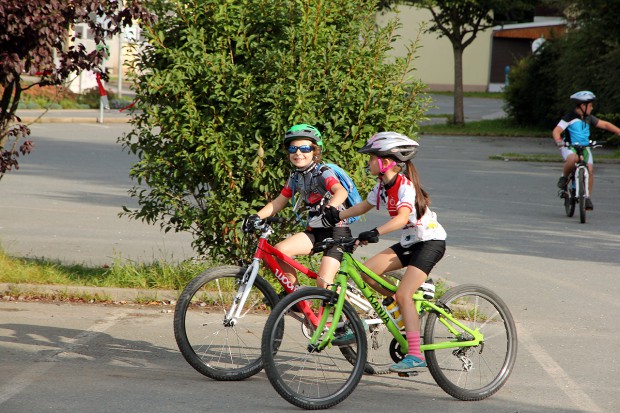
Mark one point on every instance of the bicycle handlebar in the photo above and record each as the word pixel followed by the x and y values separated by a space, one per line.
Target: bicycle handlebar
pixel 347 242
pixel 592 144
pixel 277 220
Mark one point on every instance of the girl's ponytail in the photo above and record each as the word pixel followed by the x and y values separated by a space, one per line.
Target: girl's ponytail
pixel 422 199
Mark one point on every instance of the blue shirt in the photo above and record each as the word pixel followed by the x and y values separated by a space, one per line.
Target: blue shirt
pixel 577 130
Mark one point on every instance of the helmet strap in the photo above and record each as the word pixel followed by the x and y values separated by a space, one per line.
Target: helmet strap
pixel 308 168
pixel 383 169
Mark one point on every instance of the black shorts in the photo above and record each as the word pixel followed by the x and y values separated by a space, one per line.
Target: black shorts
pixel 423 255
pixel 317 235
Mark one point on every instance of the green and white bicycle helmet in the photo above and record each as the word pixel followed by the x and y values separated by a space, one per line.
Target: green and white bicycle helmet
pixel 305 131
pixel 583 96
pixel 391 145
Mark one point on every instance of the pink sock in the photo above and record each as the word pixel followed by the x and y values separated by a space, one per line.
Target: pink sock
pixel 413 340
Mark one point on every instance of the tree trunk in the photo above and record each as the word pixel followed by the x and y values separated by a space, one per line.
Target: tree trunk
pixel 459 114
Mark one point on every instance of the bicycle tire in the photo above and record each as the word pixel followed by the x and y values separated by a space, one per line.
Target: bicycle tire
pixel 581 181
pixel 225 353
pixel 569 201
pixel 378 337
pixel 305 378
pixel 457 371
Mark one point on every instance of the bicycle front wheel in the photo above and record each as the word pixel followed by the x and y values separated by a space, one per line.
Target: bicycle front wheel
pixel 581 181
pixel 301 374
pixel 211 345
pixel 472 373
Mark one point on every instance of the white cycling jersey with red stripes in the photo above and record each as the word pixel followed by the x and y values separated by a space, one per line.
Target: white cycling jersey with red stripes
pixel 402 194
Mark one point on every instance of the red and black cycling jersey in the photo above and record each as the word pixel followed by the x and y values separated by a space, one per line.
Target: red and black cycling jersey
pixel 315 187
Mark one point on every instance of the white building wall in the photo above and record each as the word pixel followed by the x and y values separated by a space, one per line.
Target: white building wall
pixel 434 63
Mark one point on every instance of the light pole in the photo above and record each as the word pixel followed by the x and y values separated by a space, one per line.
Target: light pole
pixel 120 58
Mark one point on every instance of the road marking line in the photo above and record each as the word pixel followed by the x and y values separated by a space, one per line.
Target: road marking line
pixel 42 365
pixel 579 398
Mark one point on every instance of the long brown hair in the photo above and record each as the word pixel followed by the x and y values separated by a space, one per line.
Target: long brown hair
pixel 422 198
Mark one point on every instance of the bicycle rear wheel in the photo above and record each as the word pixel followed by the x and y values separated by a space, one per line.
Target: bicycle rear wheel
pixel 302 375
pixel 472 373
pixel 210 345
pixel 581 181
pixel 569 200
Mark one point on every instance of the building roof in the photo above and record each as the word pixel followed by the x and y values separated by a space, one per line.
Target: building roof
pixel 541 27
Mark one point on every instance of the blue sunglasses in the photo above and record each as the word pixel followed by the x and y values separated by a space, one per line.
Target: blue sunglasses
pixel 303 149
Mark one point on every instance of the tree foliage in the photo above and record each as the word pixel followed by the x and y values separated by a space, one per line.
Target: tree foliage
pixel 36 39
pixel 587 57
pixel 221 81
pixel 460 21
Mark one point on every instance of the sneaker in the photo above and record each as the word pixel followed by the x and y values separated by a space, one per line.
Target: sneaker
pixel 408 364
pixel 345 336
pixel 562 182
pixel 589 205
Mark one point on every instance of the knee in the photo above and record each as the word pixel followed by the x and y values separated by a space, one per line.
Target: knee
pixel 282 248
pixel 402 296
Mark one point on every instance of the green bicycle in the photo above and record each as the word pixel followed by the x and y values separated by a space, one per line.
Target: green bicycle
pixel 469 339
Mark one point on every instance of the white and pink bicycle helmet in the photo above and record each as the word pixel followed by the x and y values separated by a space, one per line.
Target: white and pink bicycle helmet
pixel 391 145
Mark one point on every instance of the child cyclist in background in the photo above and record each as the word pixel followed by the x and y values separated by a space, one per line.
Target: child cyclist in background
pixel 575 127
pixel 422 243
pixel 303 145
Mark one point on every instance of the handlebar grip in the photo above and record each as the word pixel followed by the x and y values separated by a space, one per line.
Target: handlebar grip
pixel 319 248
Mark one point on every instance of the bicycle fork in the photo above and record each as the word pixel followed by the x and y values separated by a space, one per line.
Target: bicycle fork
pixel 245 286
pixel 586 176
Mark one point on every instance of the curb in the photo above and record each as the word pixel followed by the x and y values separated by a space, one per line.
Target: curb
pixel 73 120
pixel 13 291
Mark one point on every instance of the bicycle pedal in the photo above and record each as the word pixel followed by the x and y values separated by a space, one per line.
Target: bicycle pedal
pixel 410 374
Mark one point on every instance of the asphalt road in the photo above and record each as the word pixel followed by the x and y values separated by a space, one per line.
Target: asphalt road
pixel 506 230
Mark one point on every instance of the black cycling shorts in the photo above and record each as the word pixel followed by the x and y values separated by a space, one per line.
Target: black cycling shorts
pixel 317 235
pixel 423 255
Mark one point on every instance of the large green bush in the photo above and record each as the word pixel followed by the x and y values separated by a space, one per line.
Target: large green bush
pixel 531 93
pixel 220 82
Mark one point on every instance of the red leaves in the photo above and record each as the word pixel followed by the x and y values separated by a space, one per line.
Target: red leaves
pixel 26 147
pixel 33 32
pixel 8 158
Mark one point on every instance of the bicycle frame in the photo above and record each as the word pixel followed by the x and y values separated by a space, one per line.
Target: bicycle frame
pixel 267 253
pixel 351 268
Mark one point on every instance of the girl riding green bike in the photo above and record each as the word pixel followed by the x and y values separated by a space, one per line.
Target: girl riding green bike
pixel 422 243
